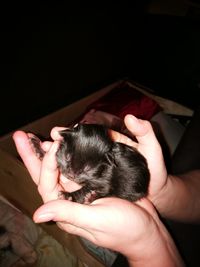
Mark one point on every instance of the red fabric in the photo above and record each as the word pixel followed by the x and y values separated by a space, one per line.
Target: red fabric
pixel 126 100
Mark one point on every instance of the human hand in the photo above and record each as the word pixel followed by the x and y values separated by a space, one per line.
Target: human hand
pixel 117 224
pixel 148 145
pixel 108 222
pixel 48 190
pixel 102 221
pixel 96 221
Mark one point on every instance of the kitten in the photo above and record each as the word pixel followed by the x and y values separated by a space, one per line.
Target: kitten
pixel 104 168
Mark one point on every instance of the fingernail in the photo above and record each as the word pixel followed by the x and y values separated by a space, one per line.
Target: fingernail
pixel 132 117
pixel 44 217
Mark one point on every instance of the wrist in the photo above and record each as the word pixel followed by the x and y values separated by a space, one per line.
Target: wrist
pixel 157 249
pixel 161 199
pixel 178 200
pixel 139 251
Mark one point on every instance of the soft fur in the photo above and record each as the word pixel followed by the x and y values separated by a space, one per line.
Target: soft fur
pixel 104 168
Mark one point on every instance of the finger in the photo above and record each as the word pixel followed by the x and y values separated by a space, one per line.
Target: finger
pixel 31 161
pixel 121 138
pixel 89 221
pixel 85 216
pixel 76 214
pixel 68 185
pixel 48 184
pixel 46 145
pixel 55 133
pixel 141 129
pixel 75 220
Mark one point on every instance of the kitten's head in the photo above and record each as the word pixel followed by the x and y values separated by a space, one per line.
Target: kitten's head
pixel 83 148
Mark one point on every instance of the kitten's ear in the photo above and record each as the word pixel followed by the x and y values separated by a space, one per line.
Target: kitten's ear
pixel 65 132
pixel 73 129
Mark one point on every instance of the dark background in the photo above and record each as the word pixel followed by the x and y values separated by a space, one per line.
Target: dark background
pixel 53 53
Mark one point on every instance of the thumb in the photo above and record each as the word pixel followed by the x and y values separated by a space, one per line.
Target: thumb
pixel 141 129
pixel 64 211
pixel 71 217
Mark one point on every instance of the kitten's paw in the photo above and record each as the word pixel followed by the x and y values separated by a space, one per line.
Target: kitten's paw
pixel 65 195
pixel 80 198
pixel 90 197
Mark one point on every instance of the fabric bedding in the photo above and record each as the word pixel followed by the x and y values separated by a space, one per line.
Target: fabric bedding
pixel 28 244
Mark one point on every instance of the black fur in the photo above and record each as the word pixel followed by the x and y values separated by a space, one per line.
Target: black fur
pixel 89 157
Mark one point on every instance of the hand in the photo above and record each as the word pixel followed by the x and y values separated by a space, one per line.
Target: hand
pixel 48 191
pixel 94 222
pixel 117 224
pixel 108 222
pixel 148 145
pixel 102 221
pixel 113 223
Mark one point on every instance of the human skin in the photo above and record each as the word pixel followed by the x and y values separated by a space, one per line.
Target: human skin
pixel 176 197
pixel 129 228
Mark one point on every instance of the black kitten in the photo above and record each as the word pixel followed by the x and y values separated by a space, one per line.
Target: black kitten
pixel 89 157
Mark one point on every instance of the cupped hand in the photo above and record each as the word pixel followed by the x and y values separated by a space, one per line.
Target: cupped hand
pixel 130 228
pixel 50 187
pixel 148 145
pixel 108 222
pixel 102 221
